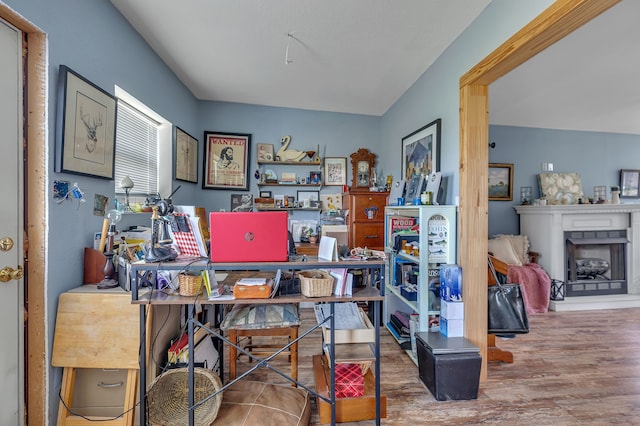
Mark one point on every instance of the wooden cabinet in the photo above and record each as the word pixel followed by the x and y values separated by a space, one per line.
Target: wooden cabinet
pixel 366 218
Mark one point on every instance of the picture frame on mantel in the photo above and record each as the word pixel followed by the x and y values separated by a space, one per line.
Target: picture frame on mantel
pixel 85 127
pixel 500 182
pixel 629 183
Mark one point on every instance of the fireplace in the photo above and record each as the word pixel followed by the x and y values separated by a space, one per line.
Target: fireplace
pixel 596 262
pixel 603 242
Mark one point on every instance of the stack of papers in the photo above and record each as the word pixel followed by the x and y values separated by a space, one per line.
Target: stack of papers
pixel 347 315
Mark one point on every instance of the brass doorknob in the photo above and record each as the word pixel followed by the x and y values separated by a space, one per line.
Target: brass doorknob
pixel 8 273
pixel 6 244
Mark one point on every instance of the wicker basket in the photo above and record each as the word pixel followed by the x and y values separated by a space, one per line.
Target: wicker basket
pixel 168 397
pixel 315 283
pixel 190 285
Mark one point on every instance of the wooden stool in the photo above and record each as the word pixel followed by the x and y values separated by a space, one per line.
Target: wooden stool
pixel 264 349
pixel 260 320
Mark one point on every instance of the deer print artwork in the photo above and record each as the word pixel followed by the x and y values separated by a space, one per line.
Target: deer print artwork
pixel 91 123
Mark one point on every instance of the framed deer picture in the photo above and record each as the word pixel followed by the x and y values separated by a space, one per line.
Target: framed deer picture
pixel 85 127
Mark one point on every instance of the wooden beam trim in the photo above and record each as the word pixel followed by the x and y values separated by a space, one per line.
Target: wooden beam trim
pixel 557 21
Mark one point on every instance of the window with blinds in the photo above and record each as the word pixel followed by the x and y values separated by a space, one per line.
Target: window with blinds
pixel 137 145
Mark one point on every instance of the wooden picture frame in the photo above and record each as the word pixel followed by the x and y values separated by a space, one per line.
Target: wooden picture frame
pixel 629 183
pixel 500 182
pixel 335 171
pixel 185 156
pixel 265 152
pixel 421 151
pixel 226 160
pixel 85 127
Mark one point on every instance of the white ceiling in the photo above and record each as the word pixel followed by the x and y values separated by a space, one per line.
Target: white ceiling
pixel 354 56
pixel 587 81
pixel 360 56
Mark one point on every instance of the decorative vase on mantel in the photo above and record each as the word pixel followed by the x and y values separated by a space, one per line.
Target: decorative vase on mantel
pixel 615 197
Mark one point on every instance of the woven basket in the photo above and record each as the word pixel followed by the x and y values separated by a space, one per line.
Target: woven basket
pixel 315 283
pixel 190 285
pixel 168 397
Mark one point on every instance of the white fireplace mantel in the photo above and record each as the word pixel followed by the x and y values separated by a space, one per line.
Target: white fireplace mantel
pixel 545 227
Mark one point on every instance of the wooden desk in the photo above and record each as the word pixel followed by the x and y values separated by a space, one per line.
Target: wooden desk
pixel 373 293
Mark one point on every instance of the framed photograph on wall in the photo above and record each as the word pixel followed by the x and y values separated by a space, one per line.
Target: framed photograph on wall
pixel 265 151
pixel 629 183
pixel 500 182
pixel 335 171
pixel 241 202
pixel 186 156
pixel 85 127
pixel 421 151
pixel 226 160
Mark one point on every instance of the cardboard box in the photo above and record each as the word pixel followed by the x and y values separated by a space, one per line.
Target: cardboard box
pixel 452 310
pixel 357 335
pixel 451 328
pixel 451 283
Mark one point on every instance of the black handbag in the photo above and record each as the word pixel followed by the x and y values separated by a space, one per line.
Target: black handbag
pixel 507 313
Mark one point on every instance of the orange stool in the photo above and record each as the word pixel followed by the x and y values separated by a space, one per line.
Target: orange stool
pixel 278 320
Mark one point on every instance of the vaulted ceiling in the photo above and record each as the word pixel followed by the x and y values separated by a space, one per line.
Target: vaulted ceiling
pixel 360 56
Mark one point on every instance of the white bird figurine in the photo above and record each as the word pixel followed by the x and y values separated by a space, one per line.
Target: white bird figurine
pixel 285 154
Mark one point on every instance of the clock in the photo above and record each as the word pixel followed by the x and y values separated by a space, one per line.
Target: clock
pixel 363 163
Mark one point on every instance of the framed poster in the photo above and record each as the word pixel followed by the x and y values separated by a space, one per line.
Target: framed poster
pixel 186 156
pixel 335 171
pixel 85 127
pixel 500 182
pixel 226 160
pixel 421 151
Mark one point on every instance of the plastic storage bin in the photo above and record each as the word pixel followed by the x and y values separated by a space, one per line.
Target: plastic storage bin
pixel 448 366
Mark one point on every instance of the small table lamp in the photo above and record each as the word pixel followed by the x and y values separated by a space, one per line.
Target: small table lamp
pixel 109 270
pixel 127 184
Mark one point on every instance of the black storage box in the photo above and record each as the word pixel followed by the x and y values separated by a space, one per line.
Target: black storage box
pixel 289 286
pixel 448 366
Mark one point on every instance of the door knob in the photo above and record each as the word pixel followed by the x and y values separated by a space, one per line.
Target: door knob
pixel 6 244
pixel 8 273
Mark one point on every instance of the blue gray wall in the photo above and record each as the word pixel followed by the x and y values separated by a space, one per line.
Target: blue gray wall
pixel 93 39
pixel 597 157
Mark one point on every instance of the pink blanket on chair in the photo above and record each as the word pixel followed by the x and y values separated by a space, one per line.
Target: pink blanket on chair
pixel 535 283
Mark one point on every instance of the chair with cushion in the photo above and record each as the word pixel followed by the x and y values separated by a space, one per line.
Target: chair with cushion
pixel 272 320
pixel 513 260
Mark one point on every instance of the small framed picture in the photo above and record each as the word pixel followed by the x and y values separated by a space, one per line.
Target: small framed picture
pixel 629 183
pixel 315 178
pixel 241 202
pixel 265 194
pixel 335 171
pixel 500 182
pixel 265 152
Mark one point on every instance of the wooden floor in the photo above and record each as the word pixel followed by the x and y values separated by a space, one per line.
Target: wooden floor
pixel 573 368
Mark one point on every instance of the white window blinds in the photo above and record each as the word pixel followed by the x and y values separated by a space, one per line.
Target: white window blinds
pixel 137 146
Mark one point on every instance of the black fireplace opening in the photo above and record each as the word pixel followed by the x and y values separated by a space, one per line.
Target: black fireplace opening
pixel 596 262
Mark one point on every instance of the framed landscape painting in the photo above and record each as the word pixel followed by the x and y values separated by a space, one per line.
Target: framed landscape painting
pixel 500 182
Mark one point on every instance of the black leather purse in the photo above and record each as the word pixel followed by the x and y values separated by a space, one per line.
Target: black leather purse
pixel 507 313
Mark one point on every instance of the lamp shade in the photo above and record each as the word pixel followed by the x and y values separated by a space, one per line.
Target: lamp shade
pixel 126 183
